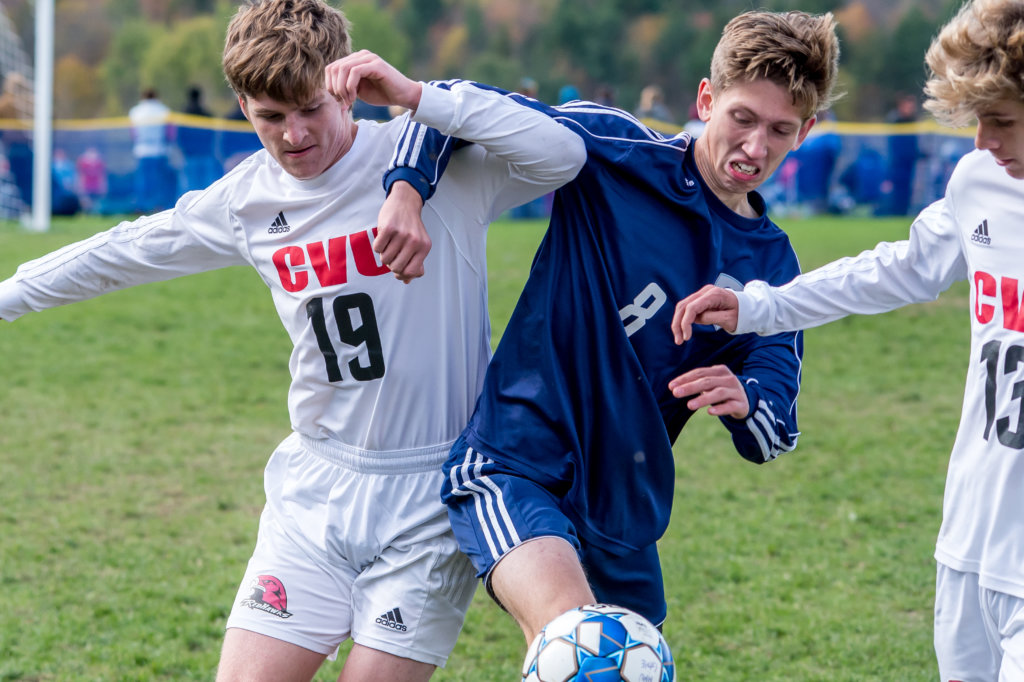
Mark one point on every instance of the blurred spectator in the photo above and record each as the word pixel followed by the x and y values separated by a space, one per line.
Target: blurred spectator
pixel 528 87
pixel 194 105
pixel 64 170
pixel 817 157
pixel 63 201
pixel 16 103
pixel 197 142
pixel 236 145
pixel 92 179
pixel 652 105
pixel 861 183
pixel 152 135
pixel 693 124
pixel 11 205
pixel 567 93
pixel 604 95
pixel 904 154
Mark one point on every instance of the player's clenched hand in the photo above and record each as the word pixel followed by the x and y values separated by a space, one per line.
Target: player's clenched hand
pixel 402 240
pixel 366 76
pixel 709 305
pixel 716 388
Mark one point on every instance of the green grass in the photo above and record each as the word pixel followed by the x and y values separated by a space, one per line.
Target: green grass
pixel 135 429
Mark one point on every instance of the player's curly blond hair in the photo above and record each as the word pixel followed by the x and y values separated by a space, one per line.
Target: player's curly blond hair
pixel 799 51
pixel 280 48
pixel 976 60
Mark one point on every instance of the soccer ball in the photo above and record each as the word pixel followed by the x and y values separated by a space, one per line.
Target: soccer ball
pixel 599 643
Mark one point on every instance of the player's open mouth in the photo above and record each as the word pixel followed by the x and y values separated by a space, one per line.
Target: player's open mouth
pixel 745 169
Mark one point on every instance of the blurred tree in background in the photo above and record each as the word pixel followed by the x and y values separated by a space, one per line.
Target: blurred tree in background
pixel 108 50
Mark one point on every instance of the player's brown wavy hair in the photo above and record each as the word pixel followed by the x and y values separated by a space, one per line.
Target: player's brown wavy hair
pixel 797 50
pixel 976 60
pixel 280 48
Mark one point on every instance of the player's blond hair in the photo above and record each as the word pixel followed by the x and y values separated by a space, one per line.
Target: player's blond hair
pixel 976 60
pixel 799 51
pixel 280 48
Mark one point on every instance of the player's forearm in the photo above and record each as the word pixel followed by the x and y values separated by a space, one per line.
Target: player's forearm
pixel 891 275
pixel 770 374
pixel 132 253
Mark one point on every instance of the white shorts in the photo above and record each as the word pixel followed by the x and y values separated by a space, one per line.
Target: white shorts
pixel 979 633
pixel 347 548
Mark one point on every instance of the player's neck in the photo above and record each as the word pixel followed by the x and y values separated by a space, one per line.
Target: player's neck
pixel 734 201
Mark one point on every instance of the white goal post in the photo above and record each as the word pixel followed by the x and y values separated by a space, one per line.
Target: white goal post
pixel 42 125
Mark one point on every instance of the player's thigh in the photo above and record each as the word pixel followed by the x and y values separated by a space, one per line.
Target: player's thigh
pixel 539 580
pixel 963 648
pixel 251 657
pixel 364 664
pixel 494 509
pixel 411 599
pixel 289 595
pixel 633 580
pixel 1009 616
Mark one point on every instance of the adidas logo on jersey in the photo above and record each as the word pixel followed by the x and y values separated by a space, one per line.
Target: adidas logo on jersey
pixel 280 225
pixel 392 620
pixel 980 234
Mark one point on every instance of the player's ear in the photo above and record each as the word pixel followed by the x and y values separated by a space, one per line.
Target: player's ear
pixel 804 129
pixel 243 106
pixel 704 100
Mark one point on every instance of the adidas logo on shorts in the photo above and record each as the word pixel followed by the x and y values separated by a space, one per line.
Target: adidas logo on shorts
pixel 392 620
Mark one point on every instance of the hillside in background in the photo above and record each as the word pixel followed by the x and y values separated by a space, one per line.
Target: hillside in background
pixel 108 50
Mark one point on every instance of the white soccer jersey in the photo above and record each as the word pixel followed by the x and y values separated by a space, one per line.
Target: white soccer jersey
pixel 975 233
pixel 378 366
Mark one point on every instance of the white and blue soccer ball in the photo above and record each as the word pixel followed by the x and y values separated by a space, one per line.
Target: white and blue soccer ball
pixel 599 643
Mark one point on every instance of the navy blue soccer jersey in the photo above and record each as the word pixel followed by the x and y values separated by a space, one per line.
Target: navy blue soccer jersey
pixel 576 396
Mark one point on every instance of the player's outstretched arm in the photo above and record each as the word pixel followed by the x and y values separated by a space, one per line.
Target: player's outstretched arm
pixel 709 305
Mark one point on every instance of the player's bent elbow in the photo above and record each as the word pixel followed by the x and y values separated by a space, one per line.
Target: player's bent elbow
pixel 576 153
pixel 568 152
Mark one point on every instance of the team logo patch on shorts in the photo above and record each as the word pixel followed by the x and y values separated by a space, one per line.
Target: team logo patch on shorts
pixel 268 595
pixel 392 620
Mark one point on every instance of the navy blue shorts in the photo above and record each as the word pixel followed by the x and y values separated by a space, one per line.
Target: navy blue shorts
pixel 492 509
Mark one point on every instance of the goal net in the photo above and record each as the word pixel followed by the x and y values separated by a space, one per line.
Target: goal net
pixel 15 121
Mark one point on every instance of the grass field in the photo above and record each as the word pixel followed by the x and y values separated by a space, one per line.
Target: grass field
pixel 135 428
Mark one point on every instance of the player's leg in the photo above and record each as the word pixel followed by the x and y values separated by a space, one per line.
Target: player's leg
pixel 293 606
pixel 517 537
pixel 963 647
pixel 1008 617
pixel 412 593
pixel 364 664
pixel 538 581
pixel 251 657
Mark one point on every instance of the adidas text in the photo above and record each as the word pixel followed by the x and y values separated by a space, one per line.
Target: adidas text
pixel 392 619
pixel 391 624
pixel 280 225
pixel 980 234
